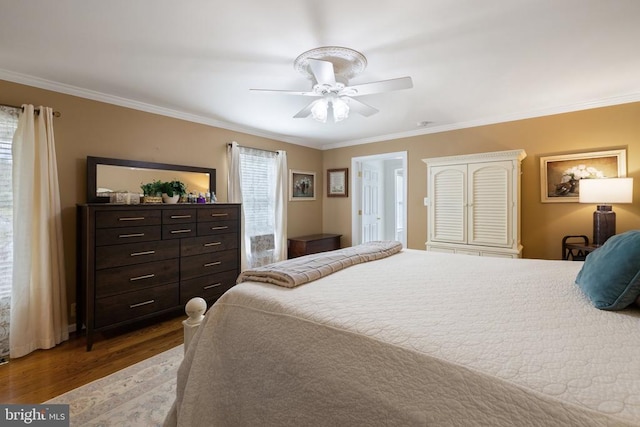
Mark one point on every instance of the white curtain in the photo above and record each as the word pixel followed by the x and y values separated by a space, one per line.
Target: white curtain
pixel 38 297
pixel 257 179
pixel 234 194
pixel 281 246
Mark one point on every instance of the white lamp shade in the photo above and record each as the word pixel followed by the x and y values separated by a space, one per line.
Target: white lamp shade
pixel 319 110
pixel 606 190
pixel 340 109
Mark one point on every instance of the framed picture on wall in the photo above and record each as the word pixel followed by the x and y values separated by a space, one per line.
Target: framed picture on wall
pixel 338 182
pixel 302 185
pixel 560 175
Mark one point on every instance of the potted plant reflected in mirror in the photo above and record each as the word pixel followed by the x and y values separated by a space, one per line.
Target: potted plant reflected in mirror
pixel 163 191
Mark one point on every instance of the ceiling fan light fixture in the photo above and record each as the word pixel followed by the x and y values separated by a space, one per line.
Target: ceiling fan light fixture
pixel 330 68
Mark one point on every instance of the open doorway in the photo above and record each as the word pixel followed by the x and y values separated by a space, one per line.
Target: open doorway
pixel 379 198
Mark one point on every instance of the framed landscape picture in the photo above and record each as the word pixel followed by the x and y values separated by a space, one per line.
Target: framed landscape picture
pixel 560 175
pixel 302 185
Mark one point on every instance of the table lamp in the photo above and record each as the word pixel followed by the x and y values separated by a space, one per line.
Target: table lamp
pixel 603 192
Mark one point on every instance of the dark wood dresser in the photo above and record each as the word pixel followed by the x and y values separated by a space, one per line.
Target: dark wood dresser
pixel 139 261
pixel 314 243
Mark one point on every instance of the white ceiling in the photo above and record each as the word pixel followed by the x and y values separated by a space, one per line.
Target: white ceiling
pixel 472 62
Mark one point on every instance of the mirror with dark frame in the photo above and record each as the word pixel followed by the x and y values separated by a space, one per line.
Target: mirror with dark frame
pixel 105 175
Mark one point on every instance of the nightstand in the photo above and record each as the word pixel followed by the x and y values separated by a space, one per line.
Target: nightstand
pixel 576 248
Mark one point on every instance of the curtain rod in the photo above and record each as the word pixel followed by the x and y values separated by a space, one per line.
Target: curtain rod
pixel 253 148
pixel 37 110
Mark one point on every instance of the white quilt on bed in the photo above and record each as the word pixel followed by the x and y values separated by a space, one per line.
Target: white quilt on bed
pixel 419 338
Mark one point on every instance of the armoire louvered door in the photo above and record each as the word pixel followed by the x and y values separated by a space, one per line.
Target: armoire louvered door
pixel 449 199
pixel 490 203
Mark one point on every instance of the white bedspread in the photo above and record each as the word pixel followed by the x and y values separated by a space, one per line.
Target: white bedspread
pixel 419 338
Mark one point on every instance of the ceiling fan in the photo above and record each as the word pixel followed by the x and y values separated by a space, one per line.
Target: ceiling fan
pixel 330 69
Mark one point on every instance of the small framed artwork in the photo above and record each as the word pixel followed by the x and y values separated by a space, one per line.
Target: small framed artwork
pixel 302 185
pixel 338 182
pixel 560 175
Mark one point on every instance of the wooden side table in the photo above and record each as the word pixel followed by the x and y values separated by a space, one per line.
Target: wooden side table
pixel 576 248
pixel 314 243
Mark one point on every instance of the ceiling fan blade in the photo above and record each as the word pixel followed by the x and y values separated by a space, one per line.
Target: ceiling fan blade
pixel 305 112
pixel 380 86
pixel 323 72
pixel 361 108
pixel 287 92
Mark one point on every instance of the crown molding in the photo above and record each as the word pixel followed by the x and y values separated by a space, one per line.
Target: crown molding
pixel 137 105
pixel 605 102
pixel 307 142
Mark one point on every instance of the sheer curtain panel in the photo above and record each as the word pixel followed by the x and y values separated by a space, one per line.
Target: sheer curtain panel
pixel 234 194
pixel 38 297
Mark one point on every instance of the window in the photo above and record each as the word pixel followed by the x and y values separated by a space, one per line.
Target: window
pixel 8 125
pixel 258 180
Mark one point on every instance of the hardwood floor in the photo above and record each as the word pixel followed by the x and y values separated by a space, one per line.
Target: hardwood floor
pixel 45 374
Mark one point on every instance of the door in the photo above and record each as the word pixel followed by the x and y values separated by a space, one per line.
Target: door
pixel 378 203
pixel 371 202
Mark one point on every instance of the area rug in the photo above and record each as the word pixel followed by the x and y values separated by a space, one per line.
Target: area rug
pixel 140 395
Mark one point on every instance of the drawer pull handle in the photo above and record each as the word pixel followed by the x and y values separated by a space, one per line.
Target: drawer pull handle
pixel 187 230
pixel 140 304
pixel 221 227
pixel 215 285
pixel 146 276
pixel 143 253
pixel 211 264
pixel 131 218
pixel 180 216
pixel 206 245
pixel 124 236
pixel 219 214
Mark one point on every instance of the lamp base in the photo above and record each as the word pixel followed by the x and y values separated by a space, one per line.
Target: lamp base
pixel 604 224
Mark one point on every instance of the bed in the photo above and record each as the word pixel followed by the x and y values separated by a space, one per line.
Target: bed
pixel 416 338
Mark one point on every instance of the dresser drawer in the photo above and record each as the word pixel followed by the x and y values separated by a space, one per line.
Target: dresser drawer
pixel 208 244
pixel 178 216
pixel 208 287
pixel 106 219
pixel 218 213
pixel 216 227
pixel 134 277
pixel 136 253
pixel 205 264
pixel 125 307
pixel 117 236
pixel 178 231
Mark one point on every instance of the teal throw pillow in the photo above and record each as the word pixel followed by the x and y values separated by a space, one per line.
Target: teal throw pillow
pixel 610 276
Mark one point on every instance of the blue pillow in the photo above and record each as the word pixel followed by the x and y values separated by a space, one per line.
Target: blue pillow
pixel 610 276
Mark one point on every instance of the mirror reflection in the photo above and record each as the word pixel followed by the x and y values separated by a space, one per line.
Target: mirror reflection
pixel 111 178
pixel 105 175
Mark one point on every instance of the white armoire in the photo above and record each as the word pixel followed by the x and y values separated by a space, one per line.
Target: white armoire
pixel 474 204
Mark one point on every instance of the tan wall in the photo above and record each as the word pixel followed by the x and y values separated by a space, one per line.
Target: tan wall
pixel 98 129
pixel 90 128
pixel 543 224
